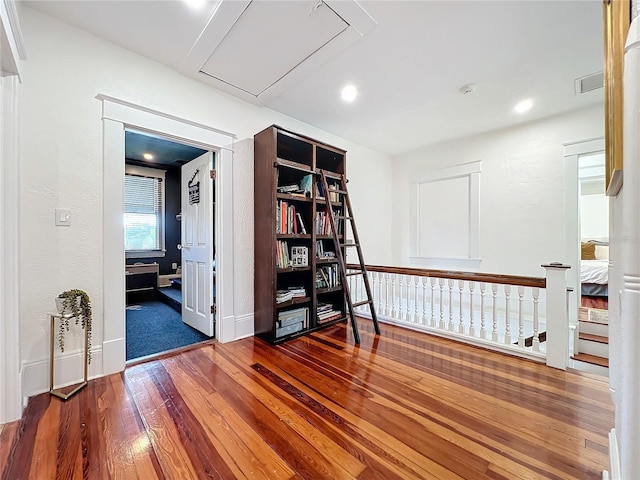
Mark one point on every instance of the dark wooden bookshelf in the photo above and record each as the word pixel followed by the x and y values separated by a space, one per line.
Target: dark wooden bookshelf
pixel 283 158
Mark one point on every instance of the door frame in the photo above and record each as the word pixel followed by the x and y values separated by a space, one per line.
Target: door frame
pixel 572 152
pixel 117 115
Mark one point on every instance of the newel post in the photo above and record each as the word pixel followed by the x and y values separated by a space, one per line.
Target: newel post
pixel 557 315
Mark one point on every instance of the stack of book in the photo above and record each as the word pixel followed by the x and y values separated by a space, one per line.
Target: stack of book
pixel 289 294
pixel 326 313
pixel 303 189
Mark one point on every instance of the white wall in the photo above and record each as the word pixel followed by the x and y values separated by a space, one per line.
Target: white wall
pixel 594 217
pixel 62 166
pixel 522 185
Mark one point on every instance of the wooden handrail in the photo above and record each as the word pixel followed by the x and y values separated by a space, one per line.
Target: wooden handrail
pixel 468 276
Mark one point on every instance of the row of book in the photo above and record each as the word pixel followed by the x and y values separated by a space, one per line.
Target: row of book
pixel 327 276
pixel 326 313
pixel 334 196
pixel 297 256
pixel 288 220
pixel 290 293
pixel 323 225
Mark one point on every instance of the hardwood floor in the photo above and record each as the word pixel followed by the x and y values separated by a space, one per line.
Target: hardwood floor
pixel 404 405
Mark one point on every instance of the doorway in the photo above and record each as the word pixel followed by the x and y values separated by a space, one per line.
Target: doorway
pixel 593 206
pixel 118 115
pixel 155 189
pixel 153 231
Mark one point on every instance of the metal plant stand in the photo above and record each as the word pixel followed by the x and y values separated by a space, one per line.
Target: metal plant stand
pixel 58 392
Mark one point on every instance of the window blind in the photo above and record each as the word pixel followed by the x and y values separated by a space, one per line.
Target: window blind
pixel 144 213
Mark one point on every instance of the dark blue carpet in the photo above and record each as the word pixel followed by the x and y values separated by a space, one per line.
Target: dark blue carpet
pixel 154 327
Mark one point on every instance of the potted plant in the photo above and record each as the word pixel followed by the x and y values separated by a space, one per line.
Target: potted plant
pixel 74 304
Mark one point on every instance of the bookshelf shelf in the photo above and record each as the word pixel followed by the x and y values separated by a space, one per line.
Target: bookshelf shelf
pixel 293 235
pixel 292 269
pixel 293 198
pixel 320 291
pixel 288 200
pixel 295 301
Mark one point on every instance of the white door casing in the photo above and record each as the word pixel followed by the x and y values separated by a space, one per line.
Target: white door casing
pixel 116 116
pixel 197 244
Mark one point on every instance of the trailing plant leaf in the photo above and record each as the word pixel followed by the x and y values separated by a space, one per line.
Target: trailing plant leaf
pixel 77 304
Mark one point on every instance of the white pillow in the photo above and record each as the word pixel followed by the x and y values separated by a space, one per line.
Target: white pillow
pixel 602 252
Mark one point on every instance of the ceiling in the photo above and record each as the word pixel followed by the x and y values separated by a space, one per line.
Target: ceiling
pixel 164 153
pixel 408 59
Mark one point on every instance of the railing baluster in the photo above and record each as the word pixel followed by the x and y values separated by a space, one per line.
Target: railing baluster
pixel 520 317
pixel 441 325
pixel 386 294
pixel 393 296
pixel 432 281
pixel 450 323
pixel 381 309
pixel 472 325
pixel 507 317
pixel 408 315
pixel 424 300
pixel 483 330
pixel 494 327
pixel 536 333
pixel 461 324
pixel 416 314
pixel 400 303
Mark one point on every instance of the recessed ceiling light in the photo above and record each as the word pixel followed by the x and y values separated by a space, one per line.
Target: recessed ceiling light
pixel 196 4
pixel 349 93
pixel 148 156
pixel 523 106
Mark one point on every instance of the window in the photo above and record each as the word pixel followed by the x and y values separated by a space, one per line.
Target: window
pixel 144 212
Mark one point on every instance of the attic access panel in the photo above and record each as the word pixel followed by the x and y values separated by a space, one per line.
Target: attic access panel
pixel 269 40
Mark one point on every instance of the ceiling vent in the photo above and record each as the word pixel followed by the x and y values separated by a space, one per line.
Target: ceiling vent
pixel 589 83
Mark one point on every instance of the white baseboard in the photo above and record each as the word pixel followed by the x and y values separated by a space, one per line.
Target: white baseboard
pixel 35 374
pixel 244 326
pixel 114 356
pixel 614 458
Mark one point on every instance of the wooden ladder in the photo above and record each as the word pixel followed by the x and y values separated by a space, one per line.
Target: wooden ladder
pixel 339 255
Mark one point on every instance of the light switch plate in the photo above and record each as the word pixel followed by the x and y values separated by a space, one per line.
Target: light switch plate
pixel 63 217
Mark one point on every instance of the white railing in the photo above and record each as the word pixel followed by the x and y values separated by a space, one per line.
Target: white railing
pixel 512 314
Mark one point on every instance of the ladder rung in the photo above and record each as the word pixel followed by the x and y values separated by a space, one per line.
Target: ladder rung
pixel 341 192
pixel 342 217
pixel 335 176
pixel 364 302
pixel 351 274
pixel 349 245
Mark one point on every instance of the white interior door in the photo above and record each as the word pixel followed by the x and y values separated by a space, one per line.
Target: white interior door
pixel 197 244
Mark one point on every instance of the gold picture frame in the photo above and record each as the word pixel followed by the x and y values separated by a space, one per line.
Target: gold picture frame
pixel 616 17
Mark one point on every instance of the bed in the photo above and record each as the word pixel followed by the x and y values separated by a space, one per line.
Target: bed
pixel 594 270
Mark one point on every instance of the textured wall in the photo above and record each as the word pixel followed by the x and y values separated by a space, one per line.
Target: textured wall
pixel 522 205
pixel 62 164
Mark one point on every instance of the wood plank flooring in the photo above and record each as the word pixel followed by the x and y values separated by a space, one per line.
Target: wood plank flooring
pixel 403 405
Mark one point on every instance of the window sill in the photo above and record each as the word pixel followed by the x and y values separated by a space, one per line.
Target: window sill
pixel 144 253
